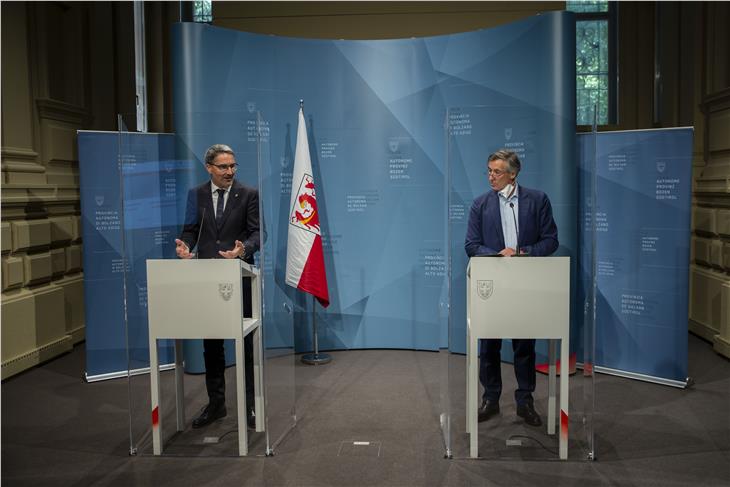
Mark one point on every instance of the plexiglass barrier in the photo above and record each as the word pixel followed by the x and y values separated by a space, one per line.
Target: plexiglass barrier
pixel 588 281
pixel 472 133
pixel 158 174
pixel 382 247
pixel 278 312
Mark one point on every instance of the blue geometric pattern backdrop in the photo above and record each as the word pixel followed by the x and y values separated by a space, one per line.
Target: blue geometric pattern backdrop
pixel 399 133
pixel 381 149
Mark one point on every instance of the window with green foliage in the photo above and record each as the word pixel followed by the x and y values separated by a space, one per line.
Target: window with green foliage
pixel 595 60
pixel 202 11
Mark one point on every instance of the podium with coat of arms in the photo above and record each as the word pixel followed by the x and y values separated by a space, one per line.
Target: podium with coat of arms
pixel 193 299
pixel 519 297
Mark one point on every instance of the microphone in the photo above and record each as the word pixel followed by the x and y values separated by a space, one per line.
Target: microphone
pixel 517 230
pixel 200 232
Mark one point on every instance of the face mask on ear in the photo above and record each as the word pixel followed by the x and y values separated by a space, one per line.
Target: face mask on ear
pixel 507 190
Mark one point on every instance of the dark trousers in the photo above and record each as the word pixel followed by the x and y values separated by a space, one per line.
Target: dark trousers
pixel 490 370
pixel 215 360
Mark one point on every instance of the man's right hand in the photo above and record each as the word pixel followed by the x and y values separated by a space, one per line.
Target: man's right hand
pixel 507 252
pixel 182 250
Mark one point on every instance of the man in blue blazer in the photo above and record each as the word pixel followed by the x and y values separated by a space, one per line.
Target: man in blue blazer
pixel 222 219
pixel 509 220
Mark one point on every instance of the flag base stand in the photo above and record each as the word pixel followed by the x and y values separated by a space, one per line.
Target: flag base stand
pixel 316 358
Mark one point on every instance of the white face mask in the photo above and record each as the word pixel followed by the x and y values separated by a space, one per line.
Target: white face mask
pixel 507 190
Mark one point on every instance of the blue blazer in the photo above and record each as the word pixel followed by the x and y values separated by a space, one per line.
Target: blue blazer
pixel 538 233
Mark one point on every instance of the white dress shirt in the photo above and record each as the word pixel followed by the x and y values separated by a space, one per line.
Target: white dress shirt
pixel 510 220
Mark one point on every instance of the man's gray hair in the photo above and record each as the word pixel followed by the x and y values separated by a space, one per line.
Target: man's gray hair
pixel 216 149
pixel 510 158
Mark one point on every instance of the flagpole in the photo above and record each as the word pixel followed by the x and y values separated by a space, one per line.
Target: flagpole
pixel 315 358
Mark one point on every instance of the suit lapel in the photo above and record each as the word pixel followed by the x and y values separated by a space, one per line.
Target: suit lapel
pixel 524 204
pixel 208 211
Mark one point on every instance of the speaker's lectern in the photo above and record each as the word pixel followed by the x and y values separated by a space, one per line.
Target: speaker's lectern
pixel 193 299
pixel 519 297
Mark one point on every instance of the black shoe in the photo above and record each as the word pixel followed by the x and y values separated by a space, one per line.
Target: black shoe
pixel 210 414
pixel 251 419
pixel 528 413
pixel 488 409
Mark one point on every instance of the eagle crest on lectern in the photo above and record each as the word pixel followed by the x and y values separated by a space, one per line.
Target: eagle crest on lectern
pixel 485 289
pixel 225 289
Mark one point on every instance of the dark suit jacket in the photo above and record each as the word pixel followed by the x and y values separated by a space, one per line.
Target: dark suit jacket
pixel 538 234
pixel 240 221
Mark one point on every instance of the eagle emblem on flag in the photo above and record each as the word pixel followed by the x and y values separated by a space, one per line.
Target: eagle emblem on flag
pixel 304 213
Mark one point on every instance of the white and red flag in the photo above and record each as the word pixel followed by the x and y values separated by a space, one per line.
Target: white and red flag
pixel 304 257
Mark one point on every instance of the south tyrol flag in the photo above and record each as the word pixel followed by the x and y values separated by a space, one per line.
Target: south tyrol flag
pixel 304 257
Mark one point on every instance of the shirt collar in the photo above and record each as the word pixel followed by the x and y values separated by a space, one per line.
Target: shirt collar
pixel 214 188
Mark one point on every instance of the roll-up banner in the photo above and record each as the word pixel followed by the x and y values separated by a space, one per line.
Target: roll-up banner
pixel 113 346
pixel 642 228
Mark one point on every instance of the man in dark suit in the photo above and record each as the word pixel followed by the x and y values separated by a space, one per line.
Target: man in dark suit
pixel 222 219
pixel 509 220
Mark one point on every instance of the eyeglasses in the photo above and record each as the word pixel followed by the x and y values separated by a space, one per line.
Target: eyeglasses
pixel 495 172
pixel 226 167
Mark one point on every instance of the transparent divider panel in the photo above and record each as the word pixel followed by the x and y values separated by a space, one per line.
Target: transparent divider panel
pixel 473 133
pixel 134 159
pixel 157 171
pixel 154 181
pixel 278 308
pixel 131 326
pixel 445 397
pixel 588 198
pixel 392 295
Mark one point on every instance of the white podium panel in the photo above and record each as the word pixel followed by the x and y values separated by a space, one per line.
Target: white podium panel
pixel 196 298
pixel 519 297
pixel 199 299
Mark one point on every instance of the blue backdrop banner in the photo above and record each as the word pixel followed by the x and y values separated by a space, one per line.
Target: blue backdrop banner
pixel 103 218
pixel 381 116
pixel 642 220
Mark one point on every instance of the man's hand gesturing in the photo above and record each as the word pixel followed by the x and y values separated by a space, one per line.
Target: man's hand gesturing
pixel 182 250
